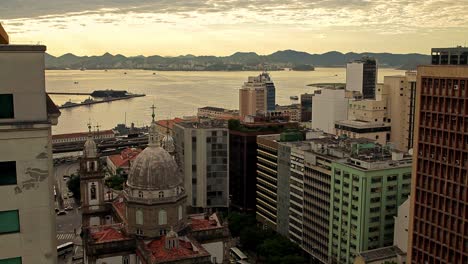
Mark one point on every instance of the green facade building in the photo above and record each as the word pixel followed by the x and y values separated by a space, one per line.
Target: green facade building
pixel 366 191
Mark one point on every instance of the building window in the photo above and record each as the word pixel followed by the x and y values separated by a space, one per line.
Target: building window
pixel 9 222
pixel 125 260
pixel 16 260
pixel 162 217
pixel 139 217
pixel 139 231
pixel 6 106
pixel 8 173
pixel 161 194
pixel 180 213
pixel 140 194
pixel 93 191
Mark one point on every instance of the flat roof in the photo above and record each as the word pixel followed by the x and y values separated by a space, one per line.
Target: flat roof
pixel 361 124
pixel 381 253
pixel 34 48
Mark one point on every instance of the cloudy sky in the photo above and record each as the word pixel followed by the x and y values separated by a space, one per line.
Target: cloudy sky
pixel 222 27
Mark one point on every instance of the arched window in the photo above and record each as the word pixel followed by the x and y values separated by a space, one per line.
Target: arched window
pixel 139 217
pixel 93 191
pixel 161 194
pixel 180 212
pixel 162 217
pixel 140 194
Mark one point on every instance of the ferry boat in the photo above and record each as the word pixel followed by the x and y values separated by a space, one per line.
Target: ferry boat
pixel 293 97
pixel 68 104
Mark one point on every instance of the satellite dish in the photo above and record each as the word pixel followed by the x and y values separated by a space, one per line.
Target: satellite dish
pixel 410 151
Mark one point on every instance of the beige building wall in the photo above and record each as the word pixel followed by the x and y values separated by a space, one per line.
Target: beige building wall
pixel 26 140
pixel 400 89
pixel 247 102
pixel 379 137
pixel 368 110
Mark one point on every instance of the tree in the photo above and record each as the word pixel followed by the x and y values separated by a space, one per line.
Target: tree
pixel 238 221
pixel 234 124
pixel 74 186
pixel 115 182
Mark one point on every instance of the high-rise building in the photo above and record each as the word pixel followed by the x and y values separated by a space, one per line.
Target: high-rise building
pixel 203 150
pixel 257 95
pixel 450 56
pixel 243 160
pixel 267 180
pixel 401 105
pixel 306 107
pixel 330 105
pixel 366 190
pixel 439 200
pixel 27 217
pixel 361 76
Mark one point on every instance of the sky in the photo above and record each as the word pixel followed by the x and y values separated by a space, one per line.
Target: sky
pixel 222 27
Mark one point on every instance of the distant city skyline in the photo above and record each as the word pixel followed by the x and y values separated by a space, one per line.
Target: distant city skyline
pixel 172 28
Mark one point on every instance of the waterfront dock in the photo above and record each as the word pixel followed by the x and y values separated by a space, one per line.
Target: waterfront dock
pixel 106 100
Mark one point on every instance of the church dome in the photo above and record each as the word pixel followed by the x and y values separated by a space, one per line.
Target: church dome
pixel 154 169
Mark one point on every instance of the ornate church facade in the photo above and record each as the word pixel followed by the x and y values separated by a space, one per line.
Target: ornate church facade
pixel 147 223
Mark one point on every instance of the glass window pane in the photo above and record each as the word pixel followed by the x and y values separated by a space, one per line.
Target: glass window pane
pixel 6 106
pixel 11 261
pixel 9 222
pixel 8 173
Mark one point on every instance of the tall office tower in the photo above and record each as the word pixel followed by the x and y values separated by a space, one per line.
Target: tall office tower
pixel 273 157
pixel 243 160
pixel 330 105
pixel 439 200
pixel 401 103
pixel 361 76
pixel 27 217
pixel 267 180
pixel 306 107
pixel 257 95
pixel 203 149
pixel 366 189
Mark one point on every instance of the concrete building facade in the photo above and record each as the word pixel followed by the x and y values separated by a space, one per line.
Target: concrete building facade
pixel 361 76
pixel 366 191
pixel 27 217
pixel 203 150
pixel 402 101
pixel 439 200
pixel 257 95
pixel 329 106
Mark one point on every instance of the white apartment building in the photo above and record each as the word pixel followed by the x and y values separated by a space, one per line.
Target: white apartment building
pixel 27 216
pixel 202 149
pixel 329 105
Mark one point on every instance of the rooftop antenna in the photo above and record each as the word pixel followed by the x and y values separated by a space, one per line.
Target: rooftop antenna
pixel 125 121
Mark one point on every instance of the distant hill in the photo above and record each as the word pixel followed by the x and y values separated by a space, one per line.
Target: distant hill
pixel 236 61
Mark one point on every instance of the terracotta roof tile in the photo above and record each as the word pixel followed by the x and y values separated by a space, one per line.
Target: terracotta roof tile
pixel 108 235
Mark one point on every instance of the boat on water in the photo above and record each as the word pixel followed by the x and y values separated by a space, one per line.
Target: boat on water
pixel 88 101
pixel 68 104
pixel 125 72
pixel 75 82
pixel 293 97
pixel 82 69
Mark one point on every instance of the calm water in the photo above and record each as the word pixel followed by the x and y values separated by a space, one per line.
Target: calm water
pixel 173 93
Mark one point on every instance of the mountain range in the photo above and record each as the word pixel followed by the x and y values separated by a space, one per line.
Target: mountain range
pixel 236 61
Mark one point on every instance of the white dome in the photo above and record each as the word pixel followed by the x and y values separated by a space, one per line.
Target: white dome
pixel 154 169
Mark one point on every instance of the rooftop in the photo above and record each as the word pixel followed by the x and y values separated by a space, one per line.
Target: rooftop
pixel 124 158
pixel 10 47
pixel 381 253
pixel 169 122
pixel 199 222
pixel 187 249
pixel 82 134
pixel 204 123
pixel 105 234
pixel 361 124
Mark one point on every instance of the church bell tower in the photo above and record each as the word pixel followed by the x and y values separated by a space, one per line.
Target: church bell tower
pixel 91 178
